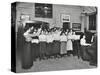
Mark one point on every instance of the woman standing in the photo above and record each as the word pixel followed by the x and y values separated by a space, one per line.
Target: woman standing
pixel 69 45
pixel 49 39
pixel 35 45
pixel 42 39
pixel 56 43
pixel 27 61
pixel 75 45
pixel 63 40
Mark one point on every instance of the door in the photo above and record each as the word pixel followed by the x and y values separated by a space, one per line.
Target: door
pixel 66 25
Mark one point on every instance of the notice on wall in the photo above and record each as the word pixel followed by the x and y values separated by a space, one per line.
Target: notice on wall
pixel 76 26
pixel 65 18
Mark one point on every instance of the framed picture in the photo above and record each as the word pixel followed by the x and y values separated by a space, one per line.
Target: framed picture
pixel 92 22
pixel 43 10
pixel 65 18
pixel 76 26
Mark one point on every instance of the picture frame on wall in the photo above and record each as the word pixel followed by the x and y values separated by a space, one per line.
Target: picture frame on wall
pixel 43 10
pixel 76 26
pixel 65 18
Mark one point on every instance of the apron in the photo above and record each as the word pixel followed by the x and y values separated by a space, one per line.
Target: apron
pixel 63 47
pixel 69 45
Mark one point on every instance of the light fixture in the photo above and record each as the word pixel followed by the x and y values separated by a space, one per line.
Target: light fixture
pixel 84 13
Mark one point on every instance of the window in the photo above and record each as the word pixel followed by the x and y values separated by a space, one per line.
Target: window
pixel 43 10
pixel 92 22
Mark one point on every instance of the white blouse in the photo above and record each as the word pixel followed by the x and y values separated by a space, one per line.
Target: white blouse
pixel 49 38
pixel 27 35
pixel 63 38
pixel 42 37
pixel 83 42
pixel 56 36
pixel 76 37
pixel 70 36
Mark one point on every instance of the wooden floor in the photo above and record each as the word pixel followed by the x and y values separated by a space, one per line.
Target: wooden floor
pixel 65 63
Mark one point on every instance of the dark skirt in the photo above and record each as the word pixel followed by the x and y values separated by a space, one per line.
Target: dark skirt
pixel 49 49
pixel 42 48
pixel 93 54
pixel 75 47
pixel 56 47
pixel 35 50
pixel 27 61
pixel 84 53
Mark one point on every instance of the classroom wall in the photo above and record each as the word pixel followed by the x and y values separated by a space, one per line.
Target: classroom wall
pixel 29 9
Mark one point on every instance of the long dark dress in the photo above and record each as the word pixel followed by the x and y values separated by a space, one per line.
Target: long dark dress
pixel 84 55
pixel 75 47
pixel 42 49
pixel 35 49
pixel 26 54
pixel 49 40
pixel 56 47
pixel 27 61
pixel 42 43
pixel 92 51
pixel 49 49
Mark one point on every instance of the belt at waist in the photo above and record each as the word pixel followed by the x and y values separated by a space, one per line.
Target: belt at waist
pixel 57 40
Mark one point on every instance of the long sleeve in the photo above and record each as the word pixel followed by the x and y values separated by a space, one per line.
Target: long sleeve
pixel 83 42
pixel 27 35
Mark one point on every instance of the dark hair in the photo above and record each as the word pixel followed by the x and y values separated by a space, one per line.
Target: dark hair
pixel 62 33
pixel 82 36
pixel 27 27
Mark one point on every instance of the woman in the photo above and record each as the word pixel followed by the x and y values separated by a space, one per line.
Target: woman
pixel 27 61
pixel 75 44
pixel 49 39
pixel 66 32
pixel 42 39
pixel 35 45
pixel 69 45
pixel 84 47
pixel 63 40
pixel 56 43
pixel 92 51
